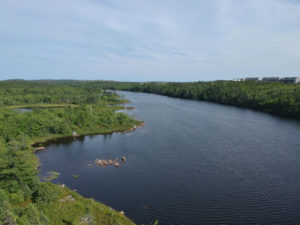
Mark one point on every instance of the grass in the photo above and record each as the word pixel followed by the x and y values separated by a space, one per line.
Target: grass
pixel 69 207
pixel 65 210
pixel 81 210
pixel 28 200
pixel 51 175
pixel 66 206
pixel 91 131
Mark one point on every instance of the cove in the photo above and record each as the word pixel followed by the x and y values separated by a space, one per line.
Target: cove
pixel 193 163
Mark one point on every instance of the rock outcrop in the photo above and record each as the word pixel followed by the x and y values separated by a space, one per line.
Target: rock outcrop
pixel 105 163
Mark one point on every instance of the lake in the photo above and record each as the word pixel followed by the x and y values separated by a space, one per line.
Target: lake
pixel 193 163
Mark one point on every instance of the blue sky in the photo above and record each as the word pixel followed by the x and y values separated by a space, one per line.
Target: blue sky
pixel 144 40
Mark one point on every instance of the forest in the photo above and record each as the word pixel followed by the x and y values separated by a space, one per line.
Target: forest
pixel 33 112
pixel 272 97
pixel 54 109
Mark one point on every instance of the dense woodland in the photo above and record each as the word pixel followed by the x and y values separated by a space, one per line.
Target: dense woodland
pixel 61 107
pixel 58 109
pixel 274 97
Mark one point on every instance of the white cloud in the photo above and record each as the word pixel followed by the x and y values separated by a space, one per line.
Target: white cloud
pixel 192 40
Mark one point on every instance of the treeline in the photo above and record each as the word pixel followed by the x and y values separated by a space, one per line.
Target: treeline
pixel 84 108
pixel 58 92
pixel 277 98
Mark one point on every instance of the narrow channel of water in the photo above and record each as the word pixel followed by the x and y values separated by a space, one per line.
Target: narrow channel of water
pixel 193 163
pixel 23 110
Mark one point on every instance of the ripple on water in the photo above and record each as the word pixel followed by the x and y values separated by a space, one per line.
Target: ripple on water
pixel 193 163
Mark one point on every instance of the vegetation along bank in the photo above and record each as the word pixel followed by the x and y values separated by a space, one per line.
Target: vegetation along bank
pixel 273 97
pixel 59 108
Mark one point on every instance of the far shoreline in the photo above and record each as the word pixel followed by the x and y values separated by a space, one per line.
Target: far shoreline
pixel 48 140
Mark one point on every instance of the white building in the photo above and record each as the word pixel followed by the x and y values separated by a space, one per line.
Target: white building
pixel 239 79
pixel 288 80
pixel 291 80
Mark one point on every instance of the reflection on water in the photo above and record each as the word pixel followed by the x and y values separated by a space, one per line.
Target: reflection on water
pixel 193 163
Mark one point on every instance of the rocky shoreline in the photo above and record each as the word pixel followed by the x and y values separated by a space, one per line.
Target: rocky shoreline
pixel 136 127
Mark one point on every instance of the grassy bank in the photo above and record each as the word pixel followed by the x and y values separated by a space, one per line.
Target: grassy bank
pixel 73 106
pixel 96 131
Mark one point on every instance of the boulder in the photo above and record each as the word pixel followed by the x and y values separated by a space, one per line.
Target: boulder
pixel 39 149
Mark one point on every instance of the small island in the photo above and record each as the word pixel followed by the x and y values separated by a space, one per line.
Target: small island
pixel 75 176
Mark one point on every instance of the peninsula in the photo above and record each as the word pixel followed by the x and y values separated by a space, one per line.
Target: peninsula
pixel 53 109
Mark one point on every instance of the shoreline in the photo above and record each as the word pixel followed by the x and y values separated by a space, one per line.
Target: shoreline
pixel 270 112
pixel 47 140
pixel 70 111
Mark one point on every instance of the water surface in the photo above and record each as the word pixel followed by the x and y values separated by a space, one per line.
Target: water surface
pixel 23 110
pixel 193 163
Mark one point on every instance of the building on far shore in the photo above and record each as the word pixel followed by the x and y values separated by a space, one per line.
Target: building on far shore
pixel 239 79
pixel 252 79
pixel 291 80
pixel 288 80
pixel 271 79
